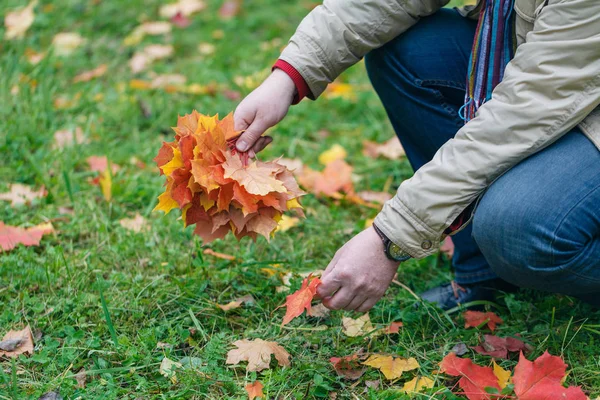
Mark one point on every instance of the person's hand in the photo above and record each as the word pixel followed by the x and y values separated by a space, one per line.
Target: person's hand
pixel 261 109
pixel 358 275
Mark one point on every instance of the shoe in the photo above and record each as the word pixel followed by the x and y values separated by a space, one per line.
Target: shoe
pixel 452 294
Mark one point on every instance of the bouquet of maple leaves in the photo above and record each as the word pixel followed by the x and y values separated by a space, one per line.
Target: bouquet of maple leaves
pixel 219 189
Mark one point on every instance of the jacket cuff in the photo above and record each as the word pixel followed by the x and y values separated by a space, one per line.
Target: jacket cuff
pixel 302 89
pixel 399 225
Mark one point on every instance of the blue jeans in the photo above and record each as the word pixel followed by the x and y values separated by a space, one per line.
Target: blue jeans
pixel 538 225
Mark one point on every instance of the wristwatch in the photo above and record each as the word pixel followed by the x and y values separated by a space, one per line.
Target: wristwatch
pixel 391 249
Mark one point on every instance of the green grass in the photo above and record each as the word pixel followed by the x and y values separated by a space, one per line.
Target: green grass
pixel 102 297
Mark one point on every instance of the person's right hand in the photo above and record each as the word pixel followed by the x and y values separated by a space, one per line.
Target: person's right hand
pixel 262 109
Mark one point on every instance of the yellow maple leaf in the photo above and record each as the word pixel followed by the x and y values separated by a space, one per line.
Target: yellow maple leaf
pixel 335 152
pixel 256 179
pixel 18 22
pixel 417 384
pixel 175 163
pixel 392 368
pixel 502 375
pixel 166 204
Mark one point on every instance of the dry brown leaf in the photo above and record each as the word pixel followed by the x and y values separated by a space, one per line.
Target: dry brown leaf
pixel 357 327
pixel 168 369
pixel 15 343
pixel 183 7
pixel 392 149
pixel 318 311
pixel 374 197
pixel 22 194
pixel 222 256
pixel 91 74
pixel 206 49
pixel 258 354
pixel 18 22
pixel 81 378
pixel 230 9
pixel 247 299
pixel 142 59
pixel 147 28
pixel 33 56
pixel 65 43
pixel 67 137
pixel 136 224
pixel 295 165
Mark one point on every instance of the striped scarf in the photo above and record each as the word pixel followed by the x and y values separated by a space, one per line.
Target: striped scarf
pixel 493 48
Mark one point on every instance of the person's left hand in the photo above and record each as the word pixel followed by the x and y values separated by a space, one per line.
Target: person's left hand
pixel 358 275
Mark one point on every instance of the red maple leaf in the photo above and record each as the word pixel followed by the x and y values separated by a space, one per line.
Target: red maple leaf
pixel 499 347
pixel 541 379
pixel 474 378
pixel 475 318
pixel 301 299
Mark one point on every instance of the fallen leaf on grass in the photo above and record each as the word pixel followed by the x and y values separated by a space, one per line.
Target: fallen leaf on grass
pixel 499 347
pixel 300 300
pixel 318 311
pixel 258 354
pixel 142 59
pixel 222 256
pixel 206 48
pixel 18 22
pixel 67 137
pixel 147 28
pixel 473 319
pixel 168 369
pixel 393 328
pixel 417 384
pixel 135 224
pixel 334 153
pixel 357 327
pixel 340 90
pixel 183 7
pixel 392 368
pixel 34 57
pixel 81 378
pixel 334 179
pixel 348 366
pixel 474 379
pixel 62 102
pixel 91 74
pixel 180 20
pixel 247 299
pixel 11 236
pixel 392 149
pixel 100 164
pixel 15 343
pixel 502 375
pixel 20 194
pixel 542 379
pixel 229 9
pixel 65 43
pixel 374 197
pixel 254 390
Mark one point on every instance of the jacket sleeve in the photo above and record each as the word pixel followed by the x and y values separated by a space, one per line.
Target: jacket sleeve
pixel 338 33
pixel 550 86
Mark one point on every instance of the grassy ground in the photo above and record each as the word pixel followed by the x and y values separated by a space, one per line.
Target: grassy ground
pixel 158 286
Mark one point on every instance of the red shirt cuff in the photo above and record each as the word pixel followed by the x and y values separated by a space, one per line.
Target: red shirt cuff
pixel 301 86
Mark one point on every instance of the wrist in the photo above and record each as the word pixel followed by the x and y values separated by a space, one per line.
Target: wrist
pixel 285 82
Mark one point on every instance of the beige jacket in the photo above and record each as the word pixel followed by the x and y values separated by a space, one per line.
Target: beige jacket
pixel 551 85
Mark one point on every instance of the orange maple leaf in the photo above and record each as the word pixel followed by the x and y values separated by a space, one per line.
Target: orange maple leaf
pixel 475 318
pixel 11 236
pixel 254 390
pixel 300 300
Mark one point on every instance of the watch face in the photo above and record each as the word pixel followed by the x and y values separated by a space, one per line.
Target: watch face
pixel 396 252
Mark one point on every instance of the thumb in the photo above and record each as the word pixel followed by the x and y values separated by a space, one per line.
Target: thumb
pixel 251 135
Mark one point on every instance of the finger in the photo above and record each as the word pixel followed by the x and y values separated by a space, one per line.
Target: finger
pixel 367 305
pixel 329 285
pixel 340 299
pixel 251 135
pixel 332 263
pixel 242 118
pixel 261 143
pixel 355 303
